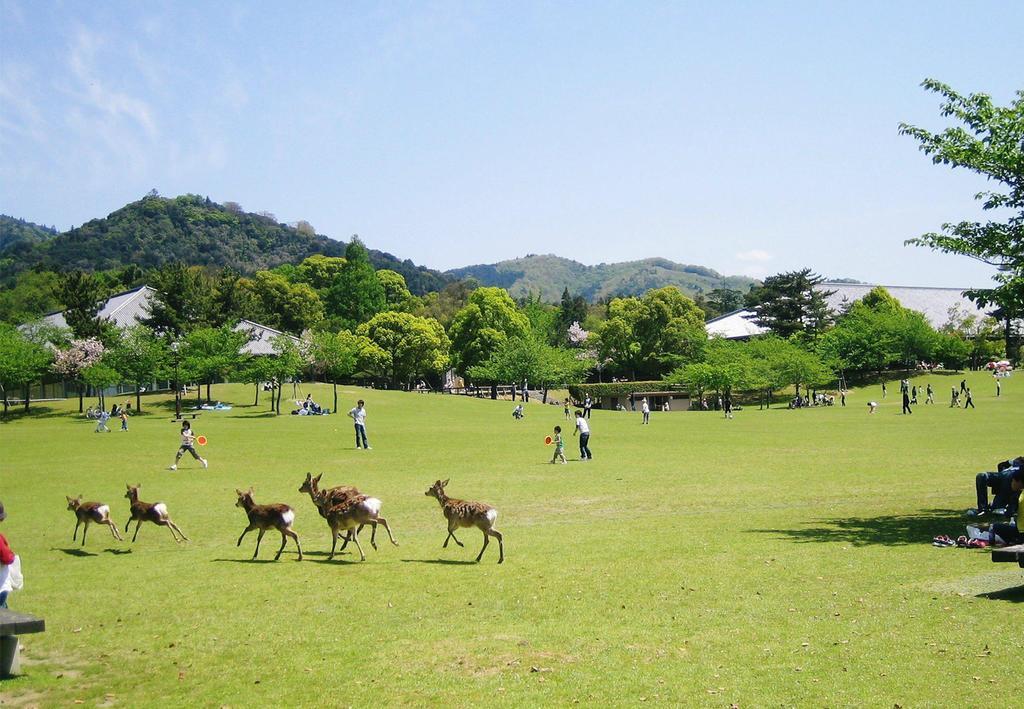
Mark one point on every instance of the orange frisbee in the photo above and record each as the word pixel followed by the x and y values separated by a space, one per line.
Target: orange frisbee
pixel 201 440
pixel 547 441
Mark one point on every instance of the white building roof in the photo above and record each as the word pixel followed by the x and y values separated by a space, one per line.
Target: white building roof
pixel 933 303
pixel 735 325
pixel 261 337
pixel 123 310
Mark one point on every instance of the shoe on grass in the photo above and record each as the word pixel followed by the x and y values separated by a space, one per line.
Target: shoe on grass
pixel 172 467
pixel 205 464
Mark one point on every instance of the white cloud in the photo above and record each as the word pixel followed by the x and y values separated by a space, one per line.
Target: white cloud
pixel 754 255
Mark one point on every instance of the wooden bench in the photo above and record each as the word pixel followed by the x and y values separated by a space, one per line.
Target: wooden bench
pixel 11 626
pixel 185 415
pixel 1015 553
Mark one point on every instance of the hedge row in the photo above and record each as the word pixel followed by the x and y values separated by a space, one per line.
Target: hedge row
pixel 600 391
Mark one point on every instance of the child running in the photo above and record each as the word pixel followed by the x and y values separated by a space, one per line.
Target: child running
pixel 101 423
pixel 124 420
pixel 559 447
pixel 187 446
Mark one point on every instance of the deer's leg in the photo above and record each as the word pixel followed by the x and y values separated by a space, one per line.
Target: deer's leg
pixel 177 529
pixel 373 532
pixel 334 542
pixel 348 538
pixel 259 539
pixel 291 533
pixel 487 540
pixel 127 525
pixel 74 537
pixel 451 534
pixel 113 530
pixel 244 532
pixel 501 546
pixel 355 538
pixel 138 523
pixel 85 531
pixel 384 523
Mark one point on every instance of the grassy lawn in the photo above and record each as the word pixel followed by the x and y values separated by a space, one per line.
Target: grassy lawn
pixel 783 557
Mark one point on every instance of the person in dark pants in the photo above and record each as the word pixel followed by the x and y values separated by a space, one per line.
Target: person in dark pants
pixel 969 402
pixel 883 390
pixel 913 394
pixel 358 415
pixel 1011 534
pixel 906 402
pixel 587 405
pixel 583 429
pixel 842 397
pixel 1002 490
pixel 929 395
pixel 963 386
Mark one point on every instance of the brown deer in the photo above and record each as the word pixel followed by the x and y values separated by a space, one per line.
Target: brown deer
pixel 89 512
pixel 352 515
pixel 334 496
pixel 264 517
pixel 155 512
pixel 461 513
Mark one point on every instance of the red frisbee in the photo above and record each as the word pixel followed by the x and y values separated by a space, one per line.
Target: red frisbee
pixel 547 441
pixel 201 440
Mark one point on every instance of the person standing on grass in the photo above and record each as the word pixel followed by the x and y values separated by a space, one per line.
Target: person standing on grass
pixel 842 397
pixel 6 559
pixel 999 388
pixel 883 390
pixel 968 401
pixel 587 404
pixel 101 423
pixel 954 399
pixel 583 429
pixel 906 402
pixel 566 411
pixel 645 409
pixel 963 386
pixel 930 398
pixel 559 447
pixel 913 395
pixel 358 415
pixel 727 405
pixel 124 420
pixel 188 440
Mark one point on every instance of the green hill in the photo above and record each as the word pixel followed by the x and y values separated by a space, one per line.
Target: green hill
pixel 195 230
pixel 548 275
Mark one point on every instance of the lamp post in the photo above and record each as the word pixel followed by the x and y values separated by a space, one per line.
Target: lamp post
pixel 177 385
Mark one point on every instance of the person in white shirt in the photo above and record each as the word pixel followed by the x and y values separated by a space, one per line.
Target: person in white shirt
pixel 187 446
pixel 583 428
pixel 645 408
pixel 358 415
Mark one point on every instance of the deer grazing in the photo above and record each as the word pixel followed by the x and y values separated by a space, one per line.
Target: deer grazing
pixel 332 496
pixel 89 512
pixel 461 513
pixel 155 512
pixel 264 517
pixel 351 515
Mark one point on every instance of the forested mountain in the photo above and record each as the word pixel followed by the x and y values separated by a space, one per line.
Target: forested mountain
pixel 20 235
pixel 548 275
pixel 155 231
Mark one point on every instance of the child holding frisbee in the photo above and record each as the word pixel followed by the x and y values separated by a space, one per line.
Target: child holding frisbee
pixel 559 447
pixel 187 446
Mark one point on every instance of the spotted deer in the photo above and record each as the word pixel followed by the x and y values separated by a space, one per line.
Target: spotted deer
pixel 333 496
pixel 155 512
pixel 462 513
pixel 89 512
pixel 264 517
pixel 352 515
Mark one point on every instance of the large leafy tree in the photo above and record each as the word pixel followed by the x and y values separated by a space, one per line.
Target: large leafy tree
pixel 545 366
pixel 789 304
pixel 22 361
pixel 183 300
pixel 396 293
pixel 278 303
pixel 356 294
pixel 138 355
pixel 648 337
pixel 287 362
pixel 82 296
pixel 402 346
pixel 335 356
pixel 989 140
pixel 489 318
pixel 209 354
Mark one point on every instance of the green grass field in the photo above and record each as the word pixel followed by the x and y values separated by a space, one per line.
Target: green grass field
pixel 782 558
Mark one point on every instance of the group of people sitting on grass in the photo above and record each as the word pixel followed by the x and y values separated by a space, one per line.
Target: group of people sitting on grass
pixel 310 408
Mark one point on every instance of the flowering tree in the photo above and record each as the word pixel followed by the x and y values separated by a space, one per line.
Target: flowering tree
pixel 72 362
pixel 576 334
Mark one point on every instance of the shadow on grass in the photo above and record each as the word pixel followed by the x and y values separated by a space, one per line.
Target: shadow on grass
pixel 37 412
pixel 252 561
pixel 443 562
pixel 1013 595
pixel 888 530
pixel 75 551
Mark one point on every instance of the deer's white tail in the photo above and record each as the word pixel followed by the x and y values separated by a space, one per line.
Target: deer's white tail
pixel 373 505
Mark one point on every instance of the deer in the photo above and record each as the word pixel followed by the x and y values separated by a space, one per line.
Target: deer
pixel 89 512
pixel 462 513
pixel 264 517
pixel 352 515
pixel 155 512
pixel 334 496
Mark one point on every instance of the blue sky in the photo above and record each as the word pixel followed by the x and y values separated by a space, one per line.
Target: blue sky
pixel 751 137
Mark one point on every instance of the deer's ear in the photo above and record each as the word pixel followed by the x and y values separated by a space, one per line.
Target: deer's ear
pixel 68 498
pixel 128 485
pixel 317 478
pixel 445 483
pixel 238 491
